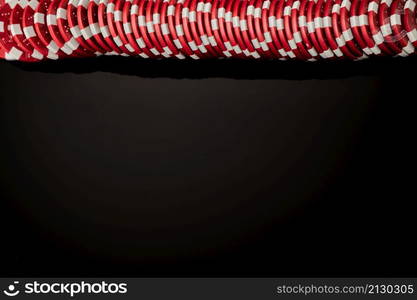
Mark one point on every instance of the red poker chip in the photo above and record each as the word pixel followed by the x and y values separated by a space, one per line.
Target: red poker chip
pixel 166 33
pixel 75 28
pixel 28 25
pixel 10 49
pixel 126 48
pixel 104 28
pixel 183 30
pixel 175 27
pixel 155 17
pixel 85 27
pixel 386 30
pixel 374 27
pixel 92 17
pixel 18 36
pixel 211 25
pixel 355 25
pixel 257 28
pixel 237 24
pixel 226 26
pixel 337 47
pixel 299 24
pixel 142 41
pixel 311 28
pixel 200 8
pixel 140 29
pixel 262 33
pixel 261 48
pixel 152 20
pixel 231 22
pixel 294 42
pixel 319 26
pixel 218 19
pixel 123 27
pixel 410 24
pixel 280 23
pixel 345 23
pixel 396 13
pixel 273 25
pixel 52 25
pixel 42 31
pixel 274 46
pixel 380 49
pixel 340 36
pixel 195 9
pixel 64 31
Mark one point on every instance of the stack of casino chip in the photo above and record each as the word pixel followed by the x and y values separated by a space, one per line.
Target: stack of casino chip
pixel 309 30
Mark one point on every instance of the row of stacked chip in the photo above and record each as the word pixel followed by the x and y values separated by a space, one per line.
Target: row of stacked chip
pixel 34 30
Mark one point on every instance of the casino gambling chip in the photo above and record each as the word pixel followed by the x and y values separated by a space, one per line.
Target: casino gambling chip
pixel 319 29
pixel 10 49
pixel 306 30
pixel 8 45
pixel 225 20
pixel 75 29
pixel 217 17
pixel 200 6
pixel 104 28
pixel 196 8
pixel 30 34
pixel 373 8
pixel 85 27
pixel 161 29
pixel 124 27
pixel 239 28
pixel 214 26
pixel 230 22
pixel 259 46
pixel 153 19
pixel 189 16
pixel 295 42
pixel 312 31
pixel 140 28
pixel 142 41
pixel 244 32
pixel 385 25
pixel 364 23
pixel 166 33
pixel 272 28
pixel 275 46
pixel 355 25
pixel 347 32
pixel 299 24
pixel 208 4
pixel 42 31
pixel 182 24
pixel 410 24
pixel 126 48
pixel 15 28
pixel 337 46
pixel 65 32
pixel 92 16
pixel 264 37
pixel 279 15
pixel 299 28
pixel 396 13
pixel 52 25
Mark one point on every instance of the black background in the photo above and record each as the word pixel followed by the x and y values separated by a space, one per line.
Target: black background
pixel 119 167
